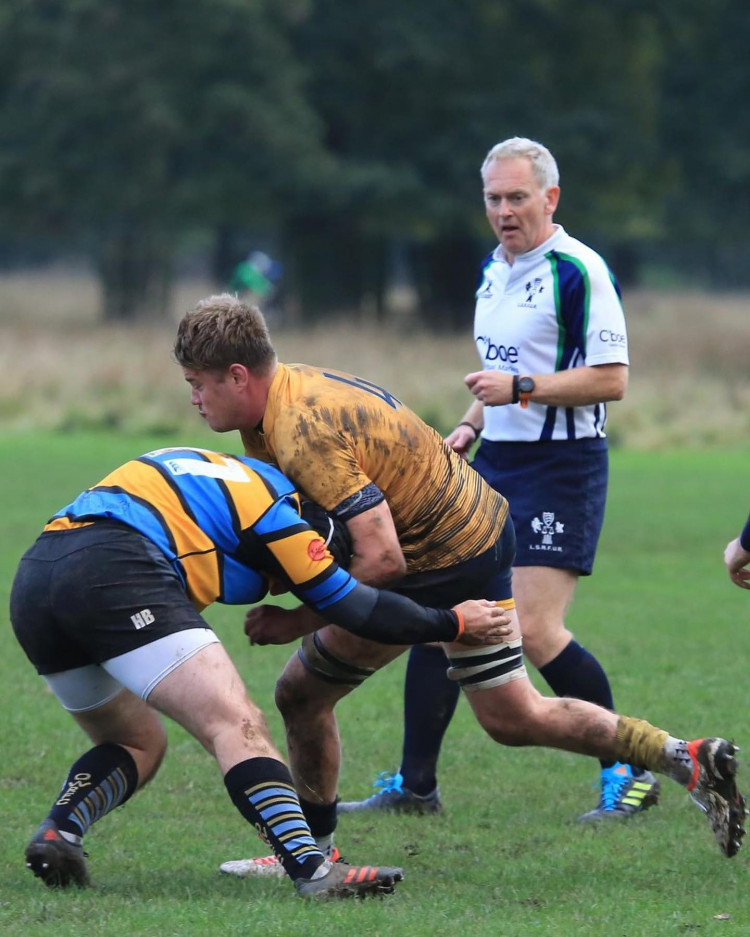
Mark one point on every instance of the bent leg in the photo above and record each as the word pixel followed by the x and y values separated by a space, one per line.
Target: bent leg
pixel 513 712
pixel 306 697
pixel 131 723
pixel 129 745
pixel 208 698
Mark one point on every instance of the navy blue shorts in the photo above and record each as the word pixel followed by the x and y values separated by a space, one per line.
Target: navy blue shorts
pixel 557 492
pixel 86 595
pixel 487 576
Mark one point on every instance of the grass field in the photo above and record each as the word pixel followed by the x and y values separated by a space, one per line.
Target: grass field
pixel 507 857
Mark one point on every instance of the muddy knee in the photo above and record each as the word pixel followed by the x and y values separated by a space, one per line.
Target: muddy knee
pixel 316 677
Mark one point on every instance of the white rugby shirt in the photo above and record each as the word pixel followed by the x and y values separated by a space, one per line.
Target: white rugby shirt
pixel 556 307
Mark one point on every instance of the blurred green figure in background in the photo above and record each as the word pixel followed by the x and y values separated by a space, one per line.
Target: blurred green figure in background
pixel 257 275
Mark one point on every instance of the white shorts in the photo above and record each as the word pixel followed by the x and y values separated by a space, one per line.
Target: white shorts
pixel 89 687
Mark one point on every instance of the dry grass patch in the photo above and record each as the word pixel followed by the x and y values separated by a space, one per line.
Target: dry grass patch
pixel 690 380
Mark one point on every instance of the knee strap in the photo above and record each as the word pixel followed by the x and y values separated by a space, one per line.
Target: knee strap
pixel 320 662
pixel 485 667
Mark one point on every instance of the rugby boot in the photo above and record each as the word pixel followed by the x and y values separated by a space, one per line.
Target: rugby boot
pixel 57 862
pixel 394 797
pixel 714 790
pixel 623 794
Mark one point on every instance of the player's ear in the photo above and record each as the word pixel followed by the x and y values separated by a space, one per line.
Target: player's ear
pixel 237 374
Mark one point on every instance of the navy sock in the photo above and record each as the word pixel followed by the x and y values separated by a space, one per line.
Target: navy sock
pixel 430 700
pixel 102 779
pixel 321 818
pixel 263 792
pixel 575 672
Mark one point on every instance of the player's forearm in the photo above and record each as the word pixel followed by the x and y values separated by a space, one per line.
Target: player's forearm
pixel 390 618
pixel 475 416
pixel 379 571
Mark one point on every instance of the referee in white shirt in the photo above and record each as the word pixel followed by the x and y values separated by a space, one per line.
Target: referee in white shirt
pixel 550 332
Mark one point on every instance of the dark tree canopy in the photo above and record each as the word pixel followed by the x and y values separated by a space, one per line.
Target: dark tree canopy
pixel 354 133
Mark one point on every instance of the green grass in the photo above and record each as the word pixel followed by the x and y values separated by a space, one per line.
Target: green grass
pixel 507 857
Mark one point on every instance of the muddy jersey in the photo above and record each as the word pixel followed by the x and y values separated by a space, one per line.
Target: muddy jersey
pixel 224 522
pixel 335 436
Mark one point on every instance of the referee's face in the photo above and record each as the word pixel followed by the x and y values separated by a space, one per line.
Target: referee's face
pixel 518 210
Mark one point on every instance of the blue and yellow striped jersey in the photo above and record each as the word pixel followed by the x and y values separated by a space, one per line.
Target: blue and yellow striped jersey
pixel 226 523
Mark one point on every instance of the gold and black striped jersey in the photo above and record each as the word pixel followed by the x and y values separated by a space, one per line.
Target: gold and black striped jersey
pixel 333 434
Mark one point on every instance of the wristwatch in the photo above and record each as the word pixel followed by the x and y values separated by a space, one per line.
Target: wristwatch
pixel 526 387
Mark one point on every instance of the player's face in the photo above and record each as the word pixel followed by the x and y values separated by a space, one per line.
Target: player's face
pixel 219 399
pixel 518 210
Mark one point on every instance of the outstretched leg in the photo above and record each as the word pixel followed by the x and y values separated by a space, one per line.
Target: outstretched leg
pixel 514 713
pixel 208 698
pixel 325 669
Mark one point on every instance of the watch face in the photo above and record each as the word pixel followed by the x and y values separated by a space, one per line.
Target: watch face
pixel 525 385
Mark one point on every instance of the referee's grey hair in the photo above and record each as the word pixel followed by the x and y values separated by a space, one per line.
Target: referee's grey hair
pixel 543 163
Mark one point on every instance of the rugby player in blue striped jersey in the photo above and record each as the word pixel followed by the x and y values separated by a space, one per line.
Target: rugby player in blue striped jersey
pixel 106 604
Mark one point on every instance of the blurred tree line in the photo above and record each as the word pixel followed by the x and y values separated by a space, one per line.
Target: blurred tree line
pixel 350 136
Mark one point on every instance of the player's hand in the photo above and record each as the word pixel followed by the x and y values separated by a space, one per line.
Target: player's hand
pixel 737 562
pixel 270 624
pixel 493 388
pixel 485 622
pixel 461 440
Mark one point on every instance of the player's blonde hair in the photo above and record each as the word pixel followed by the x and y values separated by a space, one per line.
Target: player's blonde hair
pixel 221 331
pixel 543 163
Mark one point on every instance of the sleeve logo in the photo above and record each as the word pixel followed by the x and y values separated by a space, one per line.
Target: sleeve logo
pixel 316 550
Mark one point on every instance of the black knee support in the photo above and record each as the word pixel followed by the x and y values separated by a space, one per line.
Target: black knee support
pixel 320 662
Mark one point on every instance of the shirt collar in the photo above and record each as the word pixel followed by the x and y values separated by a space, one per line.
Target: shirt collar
pixel 536 252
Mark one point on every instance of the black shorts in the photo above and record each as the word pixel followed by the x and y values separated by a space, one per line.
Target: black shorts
pixel 86 595
pixel 487 576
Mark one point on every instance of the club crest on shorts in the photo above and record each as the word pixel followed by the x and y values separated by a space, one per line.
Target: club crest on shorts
pixel 548 527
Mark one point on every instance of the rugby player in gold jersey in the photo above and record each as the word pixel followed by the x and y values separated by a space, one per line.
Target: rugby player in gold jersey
pixel 423 522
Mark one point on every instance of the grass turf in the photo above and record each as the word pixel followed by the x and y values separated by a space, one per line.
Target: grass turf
pixel 507 856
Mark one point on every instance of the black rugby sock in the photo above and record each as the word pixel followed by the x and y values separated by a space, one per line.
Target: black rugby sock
pixel 321 818
pixel 102 779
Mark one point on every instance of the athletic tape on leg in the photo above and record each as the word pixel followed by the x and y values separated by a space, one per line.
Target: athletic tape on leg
pixel 485 667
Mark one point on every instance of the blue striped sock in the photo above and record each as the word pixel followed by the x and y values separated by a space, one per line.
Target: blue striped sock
pixel 102 779
pixel 263 792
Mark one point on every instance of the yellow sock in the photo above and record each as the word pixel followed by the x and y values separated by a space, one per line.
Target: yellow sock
pixel 640 744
